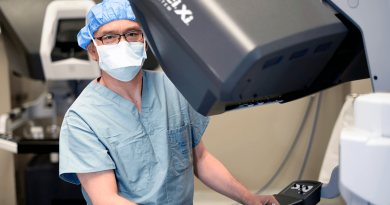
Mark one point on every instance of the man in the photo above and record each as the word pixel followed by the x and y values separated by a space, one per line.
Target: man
pixel 131 137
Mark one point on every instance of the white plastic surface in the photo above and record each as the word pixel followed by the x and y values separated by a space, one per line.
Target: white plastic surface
pixel 365 151
pixel 37 132
pixel 71 68
pixel 54 157
pixel 8 145
pixel 371 115
pixel 3 123
pixel 372 17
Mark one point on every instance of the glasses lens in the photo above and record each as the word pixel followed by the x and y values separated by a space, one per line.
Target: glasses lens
pixel 110 39
pixel 134 36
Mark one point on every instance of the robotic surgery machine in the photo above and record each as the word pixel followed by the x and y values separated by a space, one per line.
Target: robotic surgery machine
pixel 226 55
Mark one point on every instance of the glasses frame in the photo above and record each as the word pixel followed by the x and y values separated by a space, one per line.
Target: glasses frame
pixel 119 38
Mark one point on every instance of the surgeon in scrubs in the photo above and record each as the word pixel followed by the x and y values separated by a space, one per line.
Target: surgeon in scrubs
pixel 131 137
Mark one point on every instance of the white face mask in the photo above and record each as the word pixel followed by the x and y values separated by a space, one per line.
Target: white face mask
pixel 121 61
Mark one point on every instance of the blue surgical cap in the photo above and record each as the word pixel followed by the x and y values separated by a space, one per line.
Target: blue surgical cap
pixel 102 13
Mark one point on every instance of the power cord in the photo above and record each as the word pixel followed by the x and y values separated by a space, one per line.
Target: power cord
pixel 292 146
pixel 312 136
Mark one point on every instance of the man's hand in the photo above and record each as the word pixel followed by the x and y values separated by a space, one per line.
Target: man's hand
pixel 261 200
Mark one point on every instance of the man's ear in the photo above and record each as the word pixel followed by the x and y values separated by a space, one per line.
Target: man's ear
pixel 146 46
pixel 92 51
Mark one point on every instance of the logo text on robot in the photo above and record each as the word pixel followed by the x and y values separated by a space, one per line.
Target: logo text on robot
pixel 180 9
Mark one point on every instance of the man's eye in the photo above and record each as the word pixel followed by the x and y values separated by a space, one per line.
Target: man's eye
pixel 131 34
pixel 108 37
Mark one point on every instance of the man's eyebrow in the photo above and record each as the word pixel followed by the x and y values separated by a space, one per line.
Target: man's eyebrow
pixel 109 31
pixel 135 28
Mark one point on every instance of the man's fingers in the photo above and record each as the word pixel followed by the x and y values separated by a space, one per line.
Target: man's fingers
pixel 262 200
pixel 272 201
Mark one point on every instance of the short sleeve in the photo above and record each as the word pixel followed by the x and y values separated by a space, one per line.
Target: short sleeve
pixel 198 123
pixel 80 150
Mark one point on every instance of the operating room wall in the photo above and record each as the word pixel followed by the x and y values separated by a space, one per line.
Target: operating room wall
pixel 7 179
pixel 361 86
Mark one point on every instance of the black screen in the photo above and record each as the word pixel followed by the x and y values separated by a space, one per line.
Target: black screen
pixel 66 40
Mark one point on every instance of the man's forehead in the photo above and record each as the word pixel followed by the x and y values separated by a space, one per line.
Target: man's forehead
pixel 118 25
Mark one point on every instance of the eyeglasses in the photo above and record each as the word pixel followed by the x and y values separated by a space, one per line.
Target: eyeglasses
pixel 133 36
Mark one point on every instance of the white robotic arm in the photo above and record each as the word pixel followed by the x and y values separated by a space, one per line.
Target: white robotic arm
pixel 365 147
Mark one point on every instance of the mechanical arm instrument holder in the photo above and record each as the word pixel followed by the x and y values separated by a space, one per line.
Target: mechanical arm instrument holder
pixel 365 147
pixel 43 107
pixel 48 52
pixel 226 55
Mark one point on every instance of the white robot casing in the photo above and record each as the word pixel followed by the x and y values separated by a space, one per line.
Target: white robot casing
pixel 72 68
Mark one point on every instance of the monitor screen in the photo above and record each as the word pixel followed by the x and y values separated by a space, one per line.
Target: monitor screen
pixel 66 45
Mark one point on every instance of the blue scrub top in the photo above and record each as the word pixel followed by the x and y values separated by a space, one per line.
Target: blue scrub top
pixel 151 152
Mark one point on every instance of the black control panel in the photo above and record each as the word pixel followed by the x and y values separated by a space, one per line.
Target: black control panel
pixel 300 193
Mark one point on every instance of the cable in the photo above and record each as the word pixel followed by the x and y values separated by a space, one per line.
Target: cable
pixel 292 146
pixel 295 141
pixel 311 137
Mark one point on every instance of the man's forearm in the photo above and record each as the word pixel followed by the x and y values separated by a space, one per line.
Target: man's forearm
pixel 115 200
pixel 212 173
pixel 101 188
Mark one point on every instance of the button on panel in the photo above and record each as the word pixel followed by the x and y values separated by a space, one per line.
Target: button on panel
pixel 302 188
